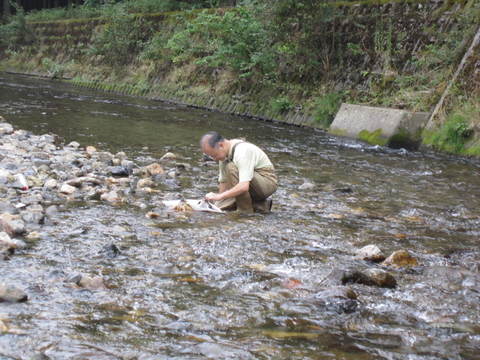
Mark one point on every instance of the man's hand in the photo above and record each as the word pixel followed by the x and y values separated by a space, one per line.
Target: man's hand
pixel 213 197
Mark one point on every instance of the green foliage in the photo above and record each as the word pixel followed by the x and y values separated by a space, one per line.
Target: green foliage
pixel 326 107
pixel 452 136
pixel 16 32
pixel 55 70
pixel 281 105
pixel 121 39
pixel 235 40
pixel 302 33
pixel 99 8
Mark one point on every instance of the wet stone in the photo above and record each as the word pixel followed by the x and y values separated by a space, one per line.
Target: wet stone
pixel 169 156
pixel 67 189
pixel 154 169
pixel 343 292
pixel 370 277
pixel 119 171
pixel 12 224
pixel 306 186
pixel 92 283
pixel 74 144
pixel 371 253
pixel 400 258
pixel 111 196
pixel 10 293
pixel 111 251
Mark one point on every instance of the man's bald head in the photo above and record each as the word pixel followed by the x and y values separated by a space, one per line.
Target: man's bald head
pixel 212 138
pixel 215 145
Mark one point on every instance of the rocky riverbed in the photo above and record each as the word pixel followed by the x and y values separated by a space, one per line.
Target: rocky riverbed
pixel 347 266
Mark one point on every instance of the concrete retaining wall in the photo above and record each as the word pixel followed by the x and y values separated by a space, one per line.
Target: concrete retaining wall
pixel 382 126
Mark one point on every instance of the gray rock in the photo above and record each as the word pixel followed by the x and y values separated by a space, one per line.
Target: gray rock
pixel 111 197
pixel 10 293
pixel 306 186
pixel 32 217
pixel 371 253
pixel 67 189
pixel 92 283
pixel 12 224
pixel 51 211
pixel 50 184
pixel 103 156
pixel 7 207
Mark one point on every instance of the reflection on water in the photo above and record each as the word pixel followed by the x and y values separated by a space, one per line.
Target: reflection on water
pixel 197 286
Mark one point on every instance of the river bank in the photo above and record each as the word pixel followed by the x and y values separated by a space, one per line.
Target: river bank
pixel 368 53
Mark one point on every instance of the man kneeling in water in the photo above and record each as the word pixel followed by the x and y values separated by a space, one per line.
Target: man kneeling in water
pixel 246 174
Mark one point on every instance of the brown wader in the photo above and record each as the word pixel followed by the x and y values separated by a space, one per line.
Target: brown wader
pixel 262 185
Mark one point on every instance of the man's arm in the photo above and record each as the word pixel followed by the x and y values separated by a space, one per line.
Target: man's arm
pixel 238 189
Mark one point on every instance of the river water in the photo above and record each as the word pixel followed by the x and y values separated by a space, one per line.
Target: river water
pixel 210 286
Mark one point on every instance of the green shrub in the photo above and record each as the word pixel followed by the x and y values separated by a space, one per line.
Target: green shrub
pixel 281 105
pixel 326 107
pixel 235 40
pixel 452 136
pixel 122 38
pixel 16 32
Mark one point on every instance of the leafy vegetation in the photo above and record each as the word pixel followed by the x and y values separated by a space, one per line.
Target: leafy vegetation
pixel 281 105
pixel 96 8
pixel 326 107
pixel 454 135
pixel 122 38
pixel 16 32
pixel 235 40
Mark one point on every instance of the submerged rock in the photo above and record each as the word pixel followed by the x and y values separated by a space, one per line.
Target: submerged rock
pixel 343 292
pixel 400 258
pixel 92 283
pixel 12 224
pixel 10 293
pixel 307 186
pixel 371 277
pixel 371 253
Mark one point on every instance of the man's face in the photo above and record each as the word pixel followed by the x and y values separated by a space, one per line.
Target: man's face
pixel 217 153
